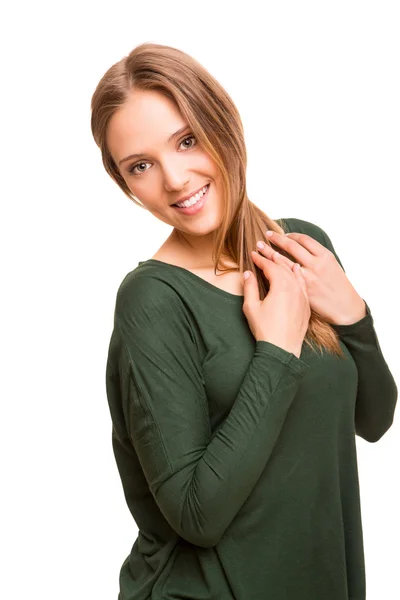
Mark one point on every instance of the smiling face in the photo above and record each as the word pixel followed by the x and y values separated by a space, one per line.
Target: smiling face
pixel 168 167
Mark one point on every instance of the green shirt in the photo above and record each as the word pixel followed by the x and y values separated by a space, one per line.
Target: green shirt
pixel 237 458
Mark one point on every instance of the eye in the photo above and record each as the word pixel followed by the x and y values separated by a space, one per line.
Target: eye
pixel 188 138
pixel 133 167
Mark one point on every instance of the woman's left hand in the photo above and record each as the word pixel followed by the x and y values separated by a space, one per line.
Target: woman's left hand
pixel 330 292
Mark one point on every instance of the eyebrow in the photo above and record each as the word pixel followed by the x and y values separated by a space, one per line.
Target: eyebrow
pixel 171 137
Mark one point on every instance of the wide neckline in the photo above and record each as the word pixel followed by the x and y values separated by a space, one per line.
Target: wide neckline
pixel 193 277
pixel 206 284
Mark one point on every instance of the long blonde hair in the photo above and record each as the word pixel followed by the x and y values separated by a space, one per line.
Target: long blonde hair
pixel 216 123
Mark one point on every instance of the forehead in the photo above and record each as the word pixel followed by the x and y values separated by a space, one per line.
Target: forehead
pixel 144 121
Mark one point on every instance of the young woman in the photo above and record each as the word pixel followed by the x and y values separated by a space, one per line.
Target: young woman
pixel 234 403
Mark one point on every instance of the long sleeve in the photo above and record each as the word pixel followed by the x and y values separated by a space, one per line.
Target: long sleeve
pixel 198 481
pixel 377 391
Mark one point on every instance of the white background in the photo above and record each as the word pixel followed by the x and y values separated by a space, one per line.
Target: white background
pixel 317 86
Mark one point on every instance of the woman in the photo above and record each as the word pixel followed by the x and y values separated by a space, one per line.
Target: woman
pixel 234 403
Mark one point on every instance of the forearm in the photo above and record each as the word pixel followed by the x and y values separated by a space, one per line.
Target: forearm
pixel 217 480
pixel 377 391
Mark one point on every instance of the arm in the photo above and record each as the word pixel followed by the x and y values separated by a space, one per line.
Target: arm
pixel 377 391
pixel 199 482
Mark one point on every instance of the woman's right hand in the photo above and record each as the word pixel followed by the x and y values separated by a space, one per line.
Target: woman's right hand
pixel 282 317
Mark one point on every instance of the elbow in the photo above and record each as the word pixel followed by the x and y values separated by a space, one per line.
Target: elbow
pixel 204 534
pixel 199 521
pixel 198 528
pixel 374 432
pixel 373 429
pixel 206 540
pixel 190 530
pixel 371 437
pixel 194 518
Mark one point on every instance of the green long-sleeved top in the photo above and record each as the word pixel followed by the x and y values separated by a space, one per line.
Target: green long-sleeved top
pixel 237 458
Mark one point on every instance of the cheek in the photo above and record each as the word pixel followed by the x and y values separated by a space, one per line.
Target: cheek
pixel 137 190
pixel 205 163
pixel 160 216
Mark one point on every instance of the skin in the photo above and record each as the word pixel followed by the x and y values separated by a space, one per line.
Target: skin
pixel 167 171
pixel 170 169
pixel 330 292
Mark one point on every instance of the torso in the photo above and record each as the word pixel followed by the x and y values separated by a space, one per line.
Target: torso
pixel 231 282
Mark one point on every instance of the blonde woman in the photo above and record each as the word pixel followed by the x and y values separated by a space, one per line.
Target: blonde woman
pixel 234 402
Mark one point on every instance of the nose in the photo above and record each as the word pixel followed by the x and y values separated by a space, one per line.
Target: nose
pixel 175 179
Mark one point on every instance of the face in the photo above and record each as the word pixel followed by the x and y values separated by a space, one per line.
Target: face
pixel 168 167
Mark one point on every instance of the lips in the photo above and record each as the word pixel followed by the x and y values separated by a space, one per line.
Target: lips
pixel 188 197
pixel 194 208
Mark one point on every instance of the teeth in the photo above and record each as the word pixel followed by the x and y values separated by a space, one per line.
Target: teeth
pixel 193 199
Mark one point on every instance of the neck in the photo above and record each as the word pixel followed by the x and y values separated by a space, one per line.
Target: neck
pixel 196 251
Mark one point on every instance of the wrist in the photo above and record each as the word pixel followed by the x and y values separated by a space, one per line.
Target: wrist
pixel 356 315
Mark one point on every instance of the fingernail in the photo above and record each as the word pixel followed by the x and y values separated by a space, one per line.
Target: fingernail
pixel 260 244
pixel 269 233
pixel 246 274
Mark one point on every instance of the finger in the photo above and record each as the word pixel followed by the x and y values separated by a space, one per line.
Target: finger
pixel 308 242
pixel 298 271
pixel 268 267
pixel 303 248
pixel 250 288
pixel 272 254
pixel 311 244
pixel 264 263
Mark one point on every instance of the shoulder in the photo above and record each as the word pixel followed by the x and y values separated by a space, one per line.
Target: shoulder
pixel 150 311
pixel 149 299
pixel 301 226
pixel 146 288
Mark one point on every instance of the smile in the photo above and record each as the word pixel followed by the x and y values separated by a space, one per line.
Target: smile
pixel 196 205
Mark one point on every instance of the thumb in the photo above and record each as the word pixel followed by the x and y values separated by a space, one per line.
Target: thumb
pixel 250 287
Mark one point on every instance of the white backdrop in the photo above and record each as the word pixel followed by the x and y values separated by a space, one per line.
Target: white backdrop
pixel 317 86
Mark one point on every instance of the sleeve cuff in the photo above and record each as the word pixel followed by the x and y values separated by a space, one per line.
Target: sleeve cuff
pixel 281 355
